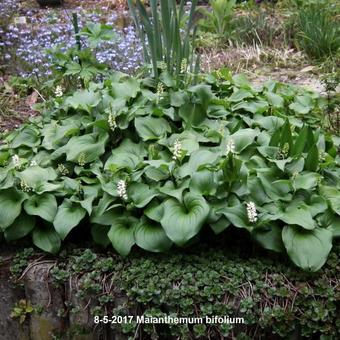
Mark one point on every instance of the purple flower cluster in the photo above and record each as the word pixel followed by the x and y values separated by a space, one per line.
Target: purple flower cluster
pixel 24 44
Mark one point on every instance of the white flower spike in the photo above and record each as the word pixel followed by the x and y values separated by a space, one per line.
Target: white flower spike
pixel 251 212
pixel 121 189
pixel 16 161
pixel 230 146
pixel 58 91
pixel 177 153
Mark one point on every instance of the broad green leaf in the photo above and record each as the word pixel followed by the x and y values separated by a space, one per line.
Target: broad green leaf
pixel 306 180
pixel 237 215
pixel 334 227
pixel 239 95
pixel 46 239
pixel 182 221
pixel 220 225
pixel 44 206
pixel 105 218
pixel 68 216
pixel 91 192
pixel 188 141
pixel 275 100
pixel 307 249
pixel 197 159
pixel 122 160
pixel 257 192
pixel 157 174
pixel 286 136
pixel 203 182
pixel 127 146
pixel 129 88
pixel 300 143
pixel 178 98
pixel 54 133
pixel 317 205
pixel 21 227
pixel 192 114
pixel 332 195
pixel 299 215
pixel 86 148
pixel 27 136
pixel 10 206
pixel 243 138
pixel 151 236
pixel 276 190
pixel 269 122
pixel 203 94
pixel 150 128
pixel 171 190
pixel 34 176
pixel 121 234
pixel 241 80
pixel 99 234
pixel 312 160
pixel 302 104
pixel 154 211
pixel 4 155
pixel 254 106
pixel 269 237
pixel 140 194
pixel 83 99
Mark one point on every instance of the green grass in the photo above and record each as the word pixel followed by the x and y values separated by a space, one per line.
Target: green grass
pixel 318 32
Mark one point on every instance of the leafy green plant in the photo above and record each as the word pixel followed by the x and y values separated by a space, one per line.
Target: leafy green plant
pixel 318 32
pixel 21 310
pixel 135 166
pixel 168 37
pixel 218 19
pixel 331 81
pixel 261 27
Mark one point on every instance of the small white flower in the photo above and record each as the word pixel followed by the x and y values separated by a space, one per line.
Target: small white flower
pixel 121 189
pixel 177 153
pixel 82 159
pixel 33 163
pixel 16 161
pixel 251 212
pixel 63 170
pixel 230 146
pixel 184 65
pixel 161 65
pixel 160 89
pixel 112 121
pixel 58 91
pixel 24 186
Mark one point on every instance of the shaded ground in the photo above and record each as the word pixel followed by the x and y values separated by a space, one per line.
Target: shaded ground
pixel 15 108
pixel 261 64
